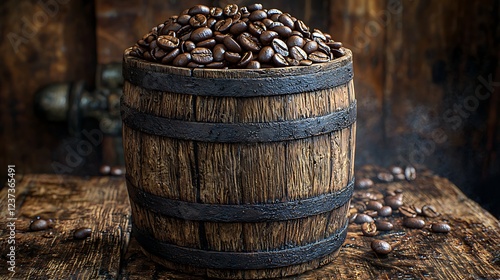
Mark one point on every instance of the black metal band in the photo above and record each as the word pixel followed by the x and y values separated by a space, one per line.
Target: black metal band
pixel 241 260
pixel 238 87
pixel 233 213
pixel 238 132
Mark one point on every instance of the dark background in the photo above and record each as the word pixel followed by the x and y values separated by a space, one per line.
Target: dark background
pixel 427 78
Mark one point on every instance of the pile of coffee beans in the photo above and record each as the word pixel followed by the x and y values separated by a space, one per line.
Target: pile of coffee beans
pixel 235 37
pixel 376 211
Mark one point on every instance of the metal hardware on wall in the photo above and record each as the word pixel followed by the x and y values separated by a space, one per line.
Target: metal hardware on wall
pixel 73 102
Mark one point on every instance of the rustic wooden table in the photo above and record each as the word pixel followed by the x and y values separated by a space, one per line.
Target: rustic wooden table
pixel 470 251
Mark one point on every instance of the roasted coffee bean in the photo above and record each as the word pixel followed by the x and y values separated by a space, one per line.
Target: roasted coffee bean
pixel 223 25
pixel 364 183
pixel 104 169
pixel 295 40
pixel 410 173
pixel 381 247
pixel 231 10
pixel 199 9
pixel 275 18
pixel 202 56
pixel 414 223
pixel 256 28
pixel 363 218
pixel 306 62
pixel 271 12
pixel 283 31
pixel 254 64
pixel 238 27
pixel 117 171
pixel 385 211
pixel 280 47
pixel 302 27
pixel 279 60
pixel 371 213
pixel 170 27
pixel 208 43
pixel 158 53
pixel 298 53
pixel 211 22
pixel 310 47
pixel 185 32
pixel 183 19
pixel 407 211
pixel 198 20
pixel 374 205
pixel 171 56
pixel 232 45
pixel 440 227
pixel 217 12
pixel 257 15
pixel 248 42
pixel 334 45
pixel 245 60
pixel 395 170
pixel 218 52
pixel 417 209
pixel 394 201
pixel 399 177
pixel 167 42
pixel 352 218
pixel 201 34
pixel 267 37
pixel 360 206
pixel 369 229
pixel 182 60
pixel 82 233
pixel 232 57
pixel 337 52
pixel 286 20
pixel 384 225
pixel 39 224
pixel 275 24
pixel 266 54
pixel 188 46
pixel 429 211
pixel 254 7
pixel 318 35
pixel 318 57
pixel 217 65
pixel 385 177
pixel 323 47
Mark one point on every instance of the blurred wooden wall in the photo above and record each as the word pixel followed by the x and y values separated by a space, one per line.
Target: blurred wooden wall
pixel 418 67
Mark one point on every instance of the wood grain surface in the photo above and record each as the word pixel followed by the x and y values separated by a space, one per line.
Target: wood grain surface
pixel 470 251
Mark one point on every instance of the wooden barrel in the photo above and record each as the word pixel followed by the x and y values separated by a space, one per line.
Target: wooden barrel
pixel 239 174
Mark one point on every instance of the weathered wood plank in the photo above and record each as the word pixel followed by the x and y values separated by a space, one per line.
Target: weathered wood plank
pixel 99 203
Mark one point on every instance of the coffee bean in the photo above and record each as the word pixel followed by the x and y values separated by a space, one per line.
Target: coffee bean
pixel 245 60
pixel 271 12
pixel 381 247
pixel 394 201
pixel 286 20
pixel 232 57
pixel 82 233
pixel 254 7
pixel 238 27
pixel 219 37
pixel 302 27
pixel 218 52
pixel 38 225
pixel 374 205
pixel 182 60
pixel 395 170
pixel 280 47
pixel 369 229
pixel 217 65
pixel 208 43
pixel 353 217
pixel 254 64
pixel 198 20
pixel 385 177
pixel 232 45
pixel 279 60
pixel 201 34
pixel 416 223
pixel 298 53
pixel 167 42
pixel 364 183
pixel 371 213
pixel 216 12
pixel 323 47
pixel 338 53
pixel 183 19
pixel 211 22
pixel 104 169
pixel 189 46
pixel 385 211
pixel 267 37
pixel 170 56
pixel 410 173
pixel 430 211
pixel 185 32
pixel 440 227
pixel 283 31
pixel 318 57
pixel 231 10
pixel 384 225
pixel 223 25
pixel 399 177
pixel 158 53
pixel 295 41
pixel 306 62
pixel 248 42
pixel 407 211
pixel 256 28
pixel 257 15
pixel 199 9
pixel 363 218
pixel 202 56
pixel 334 45
pixel 417 209
pixel 318 36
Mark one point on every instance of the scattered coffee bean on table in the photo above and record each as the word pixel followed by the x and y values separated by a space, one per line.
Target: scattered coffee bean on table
pixel 385 177
pixel 440 227
pixel 429 211
pixel 365 183
pixel 384 225
pixel 385 211
pixel 407 211
pixel 82 233
pixel 234 37
pixel 374 205
pixel 39 224
pixel 415 223
pixel 381 247
pixel 410 173
pixel 369 229
pixel 363 218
